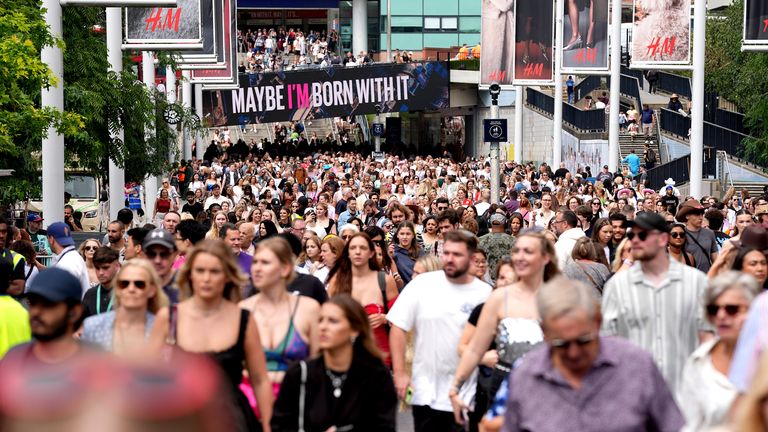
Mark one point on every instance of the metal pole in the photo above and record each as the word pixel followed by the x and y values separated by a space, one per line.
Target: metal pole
pixel 186 101
pixel 150 183
pixel 613 114
pixel 697 105
pixel 377 138
pixel 115 57
pixel 557 120
pixel 170 95
pixel 389 31
pixel 199 110
pixel 519 107
pixel 53 143
pixel 495 156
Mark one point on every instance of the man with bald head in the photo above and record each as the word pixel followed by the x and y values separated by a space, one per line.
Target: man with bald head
pixel 247 234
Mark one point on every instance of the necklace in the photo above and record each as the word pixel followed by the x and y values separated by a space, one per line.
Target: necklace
pixel 337 381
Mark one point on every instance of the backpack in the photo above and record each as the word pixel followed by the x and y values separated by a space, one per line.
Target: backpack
pixel 651 156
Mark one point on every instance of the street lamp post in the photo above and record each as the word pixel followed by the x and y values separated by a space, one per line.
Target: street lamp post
pixel 495 90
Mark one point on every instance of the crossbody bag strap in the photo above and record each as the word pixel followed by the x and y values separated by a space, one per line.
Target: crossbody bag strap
pixel 172 318
pixel 591 279
pixel 706 253
pixel 382 277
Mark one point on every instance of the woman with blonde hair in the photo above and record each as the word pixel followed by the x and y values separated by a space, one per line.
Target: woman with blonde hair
pixel 219 219
pixel 510 316
pixel 209 321
pixel 427 263
pixel 87 249
pixel 623 258
pixel 287 322
pixel 137 296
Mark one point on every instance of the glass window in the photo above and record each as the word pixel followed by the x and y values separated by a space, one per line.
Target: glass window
pixel 403 7
pixel 442 7
pixel 469 7
pixel 431 23
pixel 450 23
pixel 469 24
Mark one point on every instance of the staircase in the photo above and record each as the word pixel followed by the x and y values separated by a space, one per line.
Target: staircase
pixel 627 144
pixel 755 188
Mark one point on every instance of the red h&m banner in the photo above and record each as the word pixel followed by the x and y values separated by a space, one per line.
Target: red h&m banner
pixel 661 33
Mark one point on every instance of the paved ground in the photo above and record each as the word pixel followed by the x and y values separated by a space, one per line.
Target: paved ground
pixel 405 421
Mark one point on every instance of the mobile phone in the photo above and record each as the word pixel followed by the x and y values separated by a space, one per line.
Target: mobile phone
pixel 409 395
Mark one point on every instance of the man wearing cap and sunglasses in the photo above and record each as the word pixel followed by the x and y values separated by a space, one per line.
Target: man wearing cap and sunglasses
pixel 159 247
pixel 38 235
pixel 702 243
pixel 657 302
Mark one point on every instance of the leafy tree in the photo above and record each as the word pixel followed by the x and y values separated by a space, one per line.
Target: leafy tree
pixel 739 77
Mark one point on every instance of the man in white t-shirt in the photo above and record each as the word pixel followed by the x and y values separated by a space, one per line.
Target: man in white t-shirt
pixel 67 257
pixel 436 305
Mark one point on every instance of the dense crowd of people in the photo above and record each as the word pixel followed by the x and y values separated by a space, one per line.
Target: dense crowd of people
pixel 328 286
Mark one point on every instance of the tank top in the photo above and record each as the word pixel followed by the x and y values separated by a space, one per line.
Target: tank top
pixel 291 349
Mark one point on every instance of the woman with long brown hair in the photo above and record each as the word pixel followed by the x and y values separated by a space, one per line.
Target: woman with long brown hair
pixel 348 387
pixel 358 274
pixel 406 250
pixel 210 322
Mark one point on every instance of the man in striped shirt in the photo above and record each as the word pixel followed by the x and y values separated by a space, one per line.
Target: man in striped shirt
pixel 657 302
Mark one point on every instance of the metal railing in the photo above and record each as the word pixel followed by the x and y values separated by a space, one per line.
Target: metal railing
pixel 730 120
pixel 587 86
pixel 671 83
pixel 637 73
pixel 584 120
pixel 678 169
pixel 715 136
pixel 629 87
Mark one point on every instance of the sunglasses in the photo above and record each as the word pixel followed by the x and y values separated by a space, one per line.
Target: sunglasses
pixel 675 235
pixel 642 235
pixel 566 344
pixel 90 248
pixel 153 254
pixel 140 284
pixel 730 310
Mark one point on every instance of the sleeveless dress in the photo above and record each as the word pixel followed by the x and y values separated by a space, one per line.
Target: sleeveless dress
pixel 380 333
pixel 231 361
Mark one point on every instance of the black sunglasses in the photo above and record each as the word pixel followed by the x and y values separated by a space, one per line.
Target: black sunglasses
pixel 642 235
pixel 123 284
pixel 730 310
pixel 566 344
pixel 677 235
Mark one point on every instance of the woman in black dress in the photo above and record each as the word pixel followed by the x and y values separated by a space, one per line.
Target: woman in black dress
pixel 348 387
pixel 209 322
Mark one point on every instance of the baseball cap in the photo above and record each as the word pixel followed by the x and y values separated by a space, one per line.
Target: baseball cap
pixel 159 237
pixel 60 232
pixel 34 217
pixel 649 221
pixel 55 285
pixel 498 219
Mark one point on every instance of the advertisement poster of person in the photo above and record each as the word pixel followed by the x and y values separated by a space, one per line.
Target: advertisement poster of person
pixel 165 27
pixel 534 38
pixel 755 24
pixel 661 33
pixel 228 74
pixel 497 33
pixel 585 37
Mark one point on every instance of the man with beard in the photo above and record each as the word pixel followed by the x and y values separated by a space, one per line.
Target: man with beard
pixel 116 238
pixel 55 313
pixel 656 303
pixel 436 305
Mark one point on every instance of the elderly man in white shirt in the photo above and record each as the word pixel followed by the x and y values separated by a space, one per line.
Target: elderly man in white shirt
pixel 566 225
pixel 67 258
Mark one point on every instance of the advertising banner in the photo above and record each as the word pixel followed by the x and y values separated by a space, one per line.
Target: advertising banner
pixel 534 39
pixel 228 74
pixel 212 25
pixel 585 37
pixel 756 23
pixel 176 28
pixel 497 31
pixel 661 33
pixel 329 92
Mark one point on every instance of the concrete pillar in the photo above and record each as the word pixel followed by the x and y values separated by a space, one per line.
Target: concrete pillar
pixel 359 26
pixel 53 143
pixel 115 57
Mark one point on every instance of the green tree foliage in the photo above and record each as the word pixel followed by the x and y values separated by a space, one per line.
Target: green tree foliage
pixel 96 103
pixel 740 77
pixel 23 34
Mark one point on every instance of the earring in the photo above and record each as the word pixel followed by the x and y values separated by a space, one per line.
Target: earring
pixel 353 339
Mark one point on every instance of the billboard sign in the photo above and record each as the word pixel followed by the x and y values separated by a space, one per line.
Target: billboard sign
pixel 534 39
pixel 212 29
pixel 227 74
pixel 585 38
pixel 330 92
pixel 497 31
pixel 755 25
pixel 157 28
pixel 661 34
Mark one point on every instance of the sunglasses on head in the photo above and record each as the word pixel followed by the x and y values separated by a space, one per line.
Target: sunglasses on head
pixel 566 344
pixel 123 284
pixel 730 310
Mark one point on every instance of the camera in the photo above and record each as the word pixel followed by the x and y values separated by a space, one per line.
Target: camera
pixel 495 89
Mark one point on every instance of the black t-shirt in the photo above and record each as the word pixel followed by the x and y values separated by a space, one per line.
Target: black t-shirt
pixel 474 317
pixel 97 300
pixel 670 200
pixel 309 286
pixel 192 209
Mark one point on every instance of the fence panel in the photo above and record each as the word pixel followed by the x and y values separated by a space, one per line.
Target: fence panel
pixel 672 83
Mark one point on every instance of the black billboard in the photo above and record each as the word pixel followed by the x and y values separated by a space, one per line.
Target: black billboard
pixel 330 92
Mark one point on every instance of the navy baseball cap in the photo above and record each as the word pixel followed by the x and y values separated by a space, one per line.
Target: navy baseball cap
pixel 56 285
pixel 60 231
